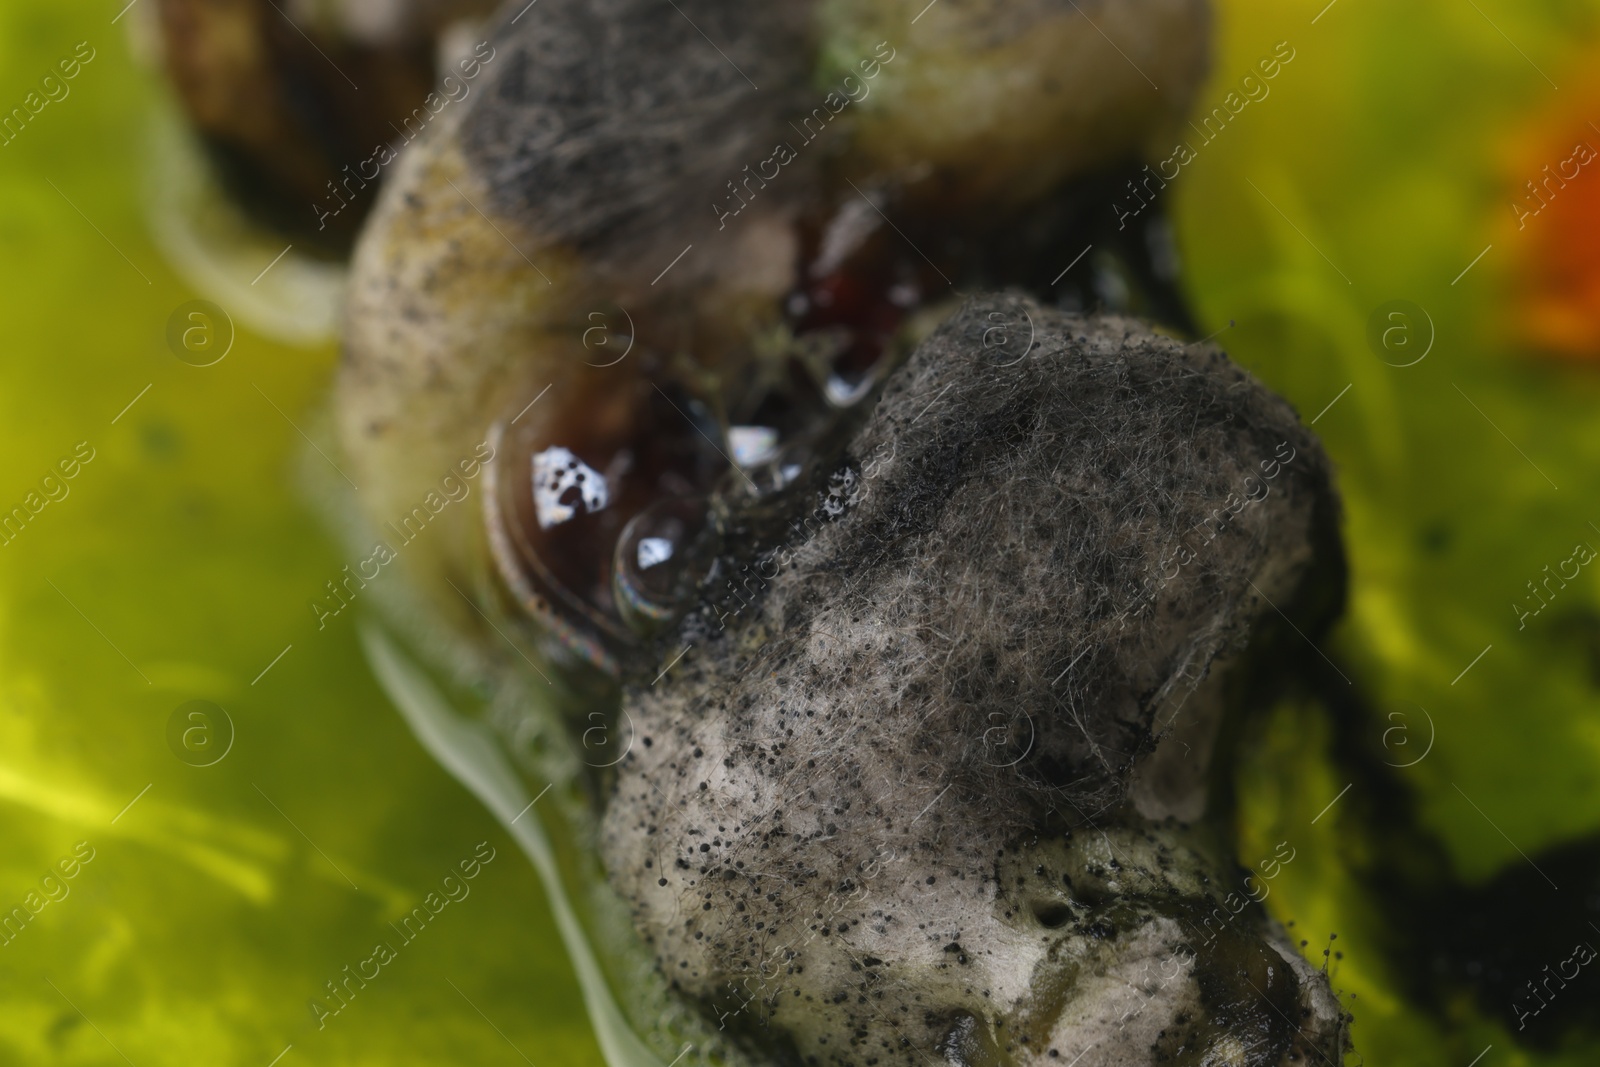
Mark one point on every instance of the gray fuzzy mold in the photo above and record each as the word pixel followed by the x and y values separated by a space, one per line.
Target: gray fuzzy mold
pixel 611 120
pixel 918 799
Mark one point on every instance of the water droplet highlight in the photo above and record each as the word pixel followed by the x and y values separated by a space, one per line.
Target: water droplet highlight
pixel 657 562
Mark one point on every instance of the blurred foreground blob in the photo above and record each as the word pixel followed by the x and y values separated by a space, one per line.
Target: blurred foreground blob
pixel 1553 190
pixel 297 106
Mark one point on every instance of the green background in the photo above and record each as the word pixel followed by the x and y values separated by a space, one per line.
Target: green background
pixel 184 557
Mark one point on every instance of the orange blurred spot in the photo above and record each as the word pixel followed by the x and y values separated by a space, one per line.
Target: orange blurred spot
pixel 1554 222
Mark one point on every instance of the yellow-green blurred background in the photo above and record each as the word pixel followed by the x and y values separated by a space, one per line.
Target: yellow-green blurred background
pixel 1383 162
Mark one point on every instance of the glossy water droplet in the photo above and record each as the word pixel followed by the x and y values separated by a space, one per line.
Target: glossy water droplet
pixel 568 484
pixel 658 561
